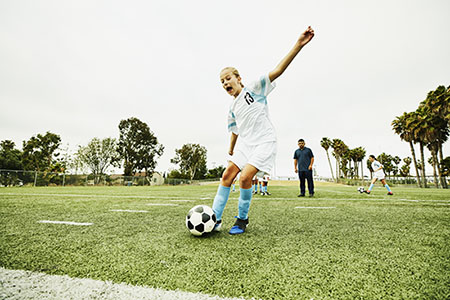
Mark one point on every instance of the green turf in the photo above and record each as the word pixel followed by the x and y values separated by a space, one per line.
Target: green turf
pixel 367 247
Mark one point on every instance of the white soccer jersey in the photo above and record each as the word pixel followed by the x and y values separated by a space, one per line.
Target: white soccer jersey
pixel 376 165
pixel 249 114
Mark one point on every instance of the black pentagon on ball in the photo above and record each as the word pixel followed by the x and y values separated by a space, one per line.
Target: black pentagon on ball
pixel 205 217
pixel 200 227
pixel 199 209
pixel 214 218
pixel 190 226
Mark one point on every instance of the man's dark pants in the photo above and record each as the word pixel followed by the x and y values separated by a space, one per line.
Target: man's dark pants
pixel 302 175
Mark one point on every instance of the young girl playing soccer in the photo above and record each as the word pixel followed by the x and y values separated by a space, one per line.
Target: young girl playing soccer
pixel 378 173
pixel 248 119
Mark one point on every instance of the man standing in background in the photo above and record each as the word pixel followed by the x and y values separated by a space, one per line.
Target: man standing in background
pixel 303 163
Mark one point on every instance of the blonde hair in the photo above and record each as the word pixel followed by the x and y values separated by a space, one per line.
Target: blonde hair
pixel 232 70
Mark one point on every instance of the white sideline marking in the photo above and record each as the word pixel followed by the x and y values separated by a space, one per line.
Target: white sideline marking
pixel 65 223
pixel 363 198
pixel 97 196
pixel 18 284
pixel 129 210
pixel 161 204
pixel 181 200
pixel 317 207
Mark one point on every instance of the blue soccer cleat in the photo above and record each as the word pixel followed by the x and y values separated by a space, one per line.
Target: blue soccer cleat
pixel 239 226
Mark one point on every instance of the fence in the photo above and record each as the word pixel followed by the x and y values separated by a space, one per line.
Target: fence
pixel 34 178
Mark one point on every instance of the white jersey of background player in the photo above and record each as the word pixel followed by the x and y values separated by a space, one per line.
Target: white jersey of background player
pixel 378 173
pixel 265 181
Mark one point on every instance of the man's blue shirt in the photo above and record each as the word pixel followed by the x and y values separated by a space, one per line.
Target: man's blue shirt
pixel 303 157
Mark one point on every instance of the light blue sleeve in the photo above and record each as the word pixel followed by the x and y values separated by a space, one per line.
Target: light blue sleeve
pixel 232 127
pixel 263 86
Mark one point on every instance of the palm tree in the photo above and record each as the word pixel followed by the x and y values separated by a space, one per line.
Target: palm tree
pixel 360 154
pixel 399 125
pixel 436 109
pixel 339 149
pixel 326 144
pixel 357 155
pixel 397 160
pixel 418 125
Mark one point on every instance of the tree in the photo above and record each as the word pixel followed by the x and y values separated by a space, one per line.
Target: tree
pixel 192 160
pixel 386 161
pixel 358 155
pixel 404 170
pixel 98 156
pixel 216 172
pixel 415 123
pixel 435 110
pixel 339 149
pixel 396 160
pixel 10 159
pixel 326 144
pixel 40 152
pixel 369 166
pixel 445 165
pixel 138 147
pixel 400 127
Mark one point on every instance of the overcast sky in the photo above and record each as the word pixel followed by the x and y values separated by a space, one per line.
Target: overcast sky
pixel 76 68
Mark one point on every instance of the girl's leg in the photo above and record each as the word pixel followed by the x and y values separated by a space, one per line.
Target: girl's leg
pixel 223 192
pixel 386 186
pixel 245 199
pixel 246 191
pixel 372 184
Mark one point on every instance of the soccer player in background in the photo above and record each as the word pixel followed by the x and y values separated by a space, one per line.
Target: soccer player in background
pixel 248 119
pixel 378 173
pixel 255 185
pixel 265 181
pixel 234 183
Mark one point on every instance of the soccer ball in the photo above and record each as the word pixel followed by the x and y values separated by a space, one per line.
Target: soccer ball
pixel 200 219
pixel 361 189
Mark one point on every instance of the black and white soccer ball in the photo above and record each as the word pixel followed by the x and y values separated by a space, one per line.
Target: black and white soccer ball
pixel 200 220
pixel 361 189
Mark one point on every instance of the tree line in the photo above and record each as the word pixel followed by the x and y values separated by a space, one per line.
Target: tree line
pixel 428 126
pixel 136 150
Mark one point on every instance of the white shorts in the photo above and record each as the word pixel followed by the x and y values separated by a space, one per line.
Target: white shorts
pixel 260 156
pixel 379 176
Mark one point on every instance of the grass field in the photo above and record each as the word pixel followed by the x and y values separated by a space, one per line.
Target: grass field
pixel 338 245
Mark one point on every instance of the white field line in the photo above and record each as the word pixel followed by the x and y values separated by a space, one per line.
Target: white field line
pixel 18 284
pixel 174 198
pixel 103 196
pixel 316 207
pixel 348 199
pixel 129 210
pixel 181 200
pixel 65 223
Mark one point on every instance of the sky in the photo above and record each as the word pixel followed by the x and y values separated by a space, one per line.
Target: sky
pixel 77 68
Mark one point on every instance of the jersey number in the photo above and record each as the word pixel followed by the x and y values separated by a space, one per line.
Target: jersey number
pixel 248 98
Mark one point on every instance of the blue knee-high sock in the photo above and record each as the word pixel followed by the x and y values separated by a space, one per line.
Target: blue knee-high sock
pixel 244 203
pixel 370 187
pixel 387 187
pixel 220 201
